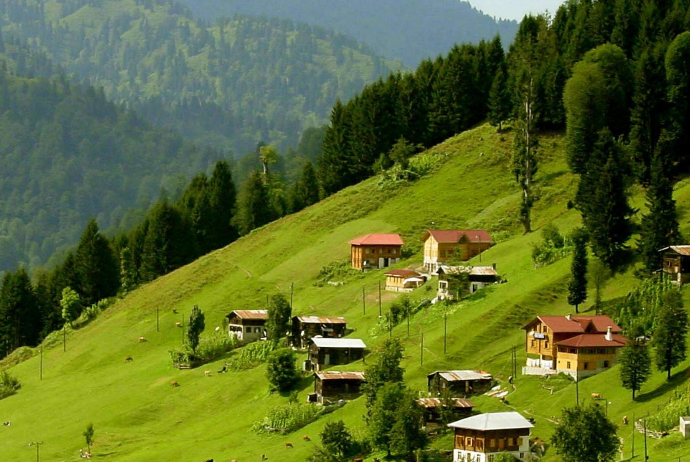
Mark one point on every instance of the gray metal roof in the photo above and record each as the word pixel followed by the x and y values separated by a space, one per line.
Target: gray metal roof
pixel 453 376
pixel 493 421
pixel 338 342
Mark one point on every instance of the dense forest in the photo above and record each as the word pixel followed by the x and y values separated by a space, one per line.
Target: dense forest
pixel 420 30
pixel 229 85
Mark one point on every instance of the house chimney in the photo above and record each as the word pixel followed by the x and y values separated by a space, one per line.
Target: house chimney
pixel 609 336
pixel 569 317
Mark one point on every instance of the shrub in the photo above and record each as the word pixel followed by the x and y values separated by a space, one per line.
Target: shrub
pixel 337 271
pixel 281 371
pixel 668 417
pixel 9 385
pixel 287 418
pixel 252 355
pixel 215 345
pixel 553 246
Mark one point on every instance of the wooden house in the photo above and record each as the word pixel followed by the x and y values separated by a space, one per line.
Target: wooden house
pixel 459 383
pixel 247 325
pixel 403 280
pixel 579 346
pixel 443 246
pixel 455 281
pixel 481 437
pixel 677 263
pixel 304 328
pixel 333 386
pixel 432 408
pixel 375 251
pixel 325 352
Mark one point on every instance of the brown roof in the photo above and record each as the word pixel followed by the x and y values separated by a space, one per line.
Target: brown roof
pixel 458 403
pixel 593 340
pixel 463 375
pixel 680 249
pixel 250 314
pixel 404 273
pixel 576 324
pixel 336 375
pixel 321 320
pixel 452 236
pixel 378 239
pixel 472 270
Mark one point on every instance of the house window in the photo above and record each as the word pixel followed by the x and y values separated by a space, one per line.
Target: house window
pixel 511 442
pixel 257 330
pixel 546 343
pixel 534 343
pixel 546 329
pixel 469 442
pixel 492 443
pixel 491 457
pixel 249 330
pixel 568 365
pixel 606 364
pixel 586 366
pixel 393 251
pixel 572 351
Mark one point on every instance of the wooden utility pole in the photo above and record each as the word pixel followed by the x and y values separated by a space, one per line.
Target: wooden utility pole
pixel 421 350
pixel 40 372
pixel 379 299
pixel 38 445
pixel 646 457
pixel 364 302
pixel 445 330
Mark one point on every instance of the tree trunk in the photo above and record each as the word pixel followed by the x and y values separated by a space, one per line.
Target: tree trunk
pixel 577 306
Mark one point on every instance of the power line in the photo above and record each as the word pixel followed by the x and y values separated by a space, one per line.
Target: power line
pixel 38 445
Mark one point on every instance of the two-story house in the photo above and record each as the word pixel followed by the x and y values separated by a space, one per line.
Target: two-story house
pixel 443 246
pixel 479 438
pixel 375 251
pixel 677 263
pixel 579 346
pixel 305 328
pixel 247 325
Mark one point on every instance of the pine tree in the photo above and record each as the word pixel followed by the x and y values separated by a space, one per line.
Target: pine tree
pixel 96 265
pixel 279 315
pixel 305 191
pixel 197 324
pixel 196 203
pixel 20 315
pixel 337 160
pixel 659 227
pixel 499 99
pixel 255 208
pixel 525 155
pixel 577 288
pixel 128 273
pixel 223 204
pixel 635 366
pixel 678 77
pixel 71 305
pixel 670 334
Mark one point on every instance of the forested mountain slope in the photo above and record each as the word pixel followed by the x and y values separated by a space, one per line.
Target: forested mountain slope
pixel 139 416
pixel 410 31
pixel 68 154
pixel 229 85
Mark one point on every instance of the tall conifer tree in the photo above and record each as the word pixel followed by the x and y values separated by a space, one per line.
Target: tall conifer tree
pixel 96 265
pixel 670 334
pixel 577 288
pixel 223 204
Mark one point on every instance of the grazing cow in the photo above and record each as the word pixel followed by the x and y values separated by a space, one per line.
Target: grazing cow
pixel 174 383
pixel 142 339
pixel 306 438
pixel 288 445
pixel 178 324
pixel 263 457
pixel 596 395
pixel 224 369
pixel 129 359
pixel 625 420
pixel 207 373
pixel 6 424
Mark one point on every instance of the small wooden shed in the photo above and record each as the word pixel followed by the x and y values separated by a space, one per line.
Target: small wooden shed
pixel 454 281
pixel 677 263
pixel 460 383
pixel 333 386
pixel 403 280
pixel 247 325
pixel 432 408
pixel 325 352
pixel 304 328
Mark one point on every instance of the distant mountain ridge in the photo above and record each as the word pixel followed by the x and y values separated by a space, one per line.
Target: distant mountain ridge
pixel 411 31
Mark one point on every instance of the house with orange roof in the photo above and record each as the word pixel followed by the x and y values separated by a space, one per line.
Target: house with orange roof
pixel 375 251
pixel 579 346
pixel 443 246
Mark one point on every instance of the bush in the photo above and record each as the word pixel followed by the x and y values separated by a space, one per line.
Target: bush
pixel 215 345
pixel 553 246
pixel 252 355
pixel 337 271
pixel 9 385
pixel 287 418
pixel 281 371
pixel 669 415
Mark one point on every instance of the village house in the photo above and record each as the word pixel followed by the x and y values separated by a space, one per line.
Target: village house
pixel 479 438
pixel 333 386
pixel 375 251
pixel 579 346
pixel 403 280
pixel 247 325
pixel 432 408
pixel 443 246
pixel 325 352
pixel 454 281
pixel 677 263
pixel 304 328
pixel 459 383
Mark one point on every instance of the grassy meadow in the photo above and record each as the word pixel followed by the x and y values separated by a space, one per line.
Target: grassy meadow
pixel 138 416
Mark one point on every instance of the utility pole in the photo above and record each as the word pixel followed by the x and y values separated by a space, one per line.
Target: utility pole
pixel 633 436
pixel 379 299
pixel 292 291
pixel 364 302
pixel 445 330
pixel 64 337
pixel 421 351
pixel 38 445
pixel 40 373
pixel 646 457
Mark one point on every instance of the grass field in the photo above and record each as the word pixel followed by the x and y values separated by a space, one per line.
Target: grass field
pixel 138 416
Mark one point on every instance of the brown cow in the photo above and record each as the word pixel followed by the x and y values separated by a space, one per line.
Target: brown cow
pixel 142 339
pixel 596 395
pixel 174 383
pixel 129 359
pixel 288 445
pixel 625 420
pixel 306 438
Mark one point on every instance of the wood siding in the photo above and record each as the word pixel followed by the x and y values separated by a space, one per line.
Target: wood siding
pixel 359 254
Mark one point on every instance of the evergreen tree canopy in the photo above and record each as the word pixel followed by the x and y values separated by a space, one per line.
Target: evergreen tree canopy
pixel 670 333
pixel 96 266
pixel 635 366
pixel 577 287
pixel 585 434
pixel 197 324
pixel 279 315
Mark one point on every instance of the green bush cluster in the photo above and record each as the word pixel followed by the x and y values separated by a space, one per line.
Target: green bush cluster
pixel 252 355
pixel 287 418
pixel 668 416
pixel 9 385
pixel 552 247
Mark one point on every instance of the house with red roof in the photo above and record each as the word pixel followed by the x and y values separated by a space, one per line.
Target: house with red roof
pixel 443 246
pixel 375 251
pixel 579 346
pixel 403 280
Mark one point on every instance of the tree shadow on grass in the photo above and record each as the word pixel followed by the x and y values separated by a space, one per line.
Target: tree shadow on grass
pixel 678 379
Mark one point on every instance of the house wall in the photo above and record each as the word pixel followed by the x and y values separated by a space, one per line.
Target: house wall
pixel 311 330
pixel 580 365
pixel 359 254
pixel 395 284
pixel 544 347
pixel 246 330
pixel 336 356
pixel 436 253
pixel 482 446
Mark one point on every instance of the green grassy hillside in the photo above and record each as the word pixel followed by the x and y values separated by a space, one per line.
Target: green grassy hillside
pixel 139 416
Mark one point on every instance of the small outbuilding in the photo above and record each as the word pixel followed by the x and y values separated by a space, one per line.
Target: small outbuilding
pixel 325 352
pixel 375 251
pixel 403 280
pixel 463 382
pixel 304 328
pixel 443 246
pixel 433 408
pixel 677 263
pixel 455 281
pixel 481 437
pixel 333 386
pixel 247 325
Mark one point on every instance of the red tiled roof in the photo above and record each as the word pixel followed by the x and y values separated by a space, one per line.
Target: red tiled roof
pixel 452 236
pixel 577 324
pixel 378 239
pixel 404 273
pixel 593 340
